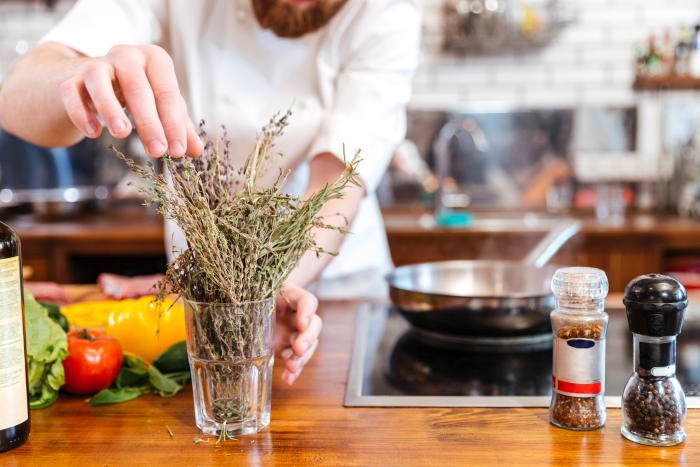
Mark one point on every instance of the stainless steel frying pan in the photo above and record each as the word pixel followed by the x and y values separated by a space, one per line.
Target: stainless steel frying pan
pixel 481 298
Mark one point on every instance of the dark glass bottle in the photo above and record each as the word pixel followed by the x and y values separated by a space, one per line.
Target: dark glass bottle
pixel 653 404
pixel 14 401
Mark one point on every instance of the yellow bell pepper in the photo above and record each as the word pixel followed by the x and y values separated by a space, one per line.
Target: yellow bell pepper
pixel 142 326
pixel 91 314
pixel 146 328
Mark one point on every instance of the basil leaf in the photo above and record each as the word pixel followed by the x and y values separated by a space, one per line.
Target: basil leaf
pixel 137 377
pixel 114 395
pixel 162 384
pixel 180 377
pixel 132 373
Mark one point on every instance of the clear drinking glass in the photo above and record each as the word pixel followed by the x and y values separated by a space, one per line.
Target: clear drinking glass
pixel 610 206
pixel 231 357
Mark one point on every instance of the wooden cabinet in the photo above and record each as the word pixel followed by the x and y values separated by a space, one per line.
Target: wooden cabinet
pixel 124 240
pixel 643 245
pixel 130 240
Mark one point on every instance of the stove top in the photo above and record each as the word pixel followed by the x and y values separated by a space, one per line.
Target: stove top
pixel 396 365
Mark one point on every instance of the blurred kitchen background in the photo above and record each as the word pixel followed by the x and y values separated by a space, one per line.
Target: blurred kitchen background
pixel 523 111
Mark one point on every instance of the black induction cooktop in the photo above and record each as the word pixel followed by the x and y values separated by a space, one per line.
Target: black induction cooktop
pixel 394 364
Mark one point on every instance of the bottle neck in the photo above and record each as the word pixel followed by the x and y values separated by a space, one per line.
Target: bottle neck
pixel 655 356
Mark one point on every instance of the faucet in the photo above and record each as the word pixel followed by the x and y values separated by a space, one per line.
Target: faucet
pixel 450 195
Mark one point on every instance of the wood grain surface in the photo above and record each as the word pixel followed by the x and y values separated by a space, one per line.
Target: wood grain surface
pixel 310 426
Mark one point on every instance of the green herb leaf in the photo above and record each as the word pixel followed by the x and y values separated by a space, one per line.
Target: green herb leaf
pixel 137 377
pixel 114 395
pixel 133 372
pixel 163 385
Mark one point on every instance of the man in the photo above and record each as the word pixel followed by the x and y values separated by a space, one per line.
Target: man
pixel 343 66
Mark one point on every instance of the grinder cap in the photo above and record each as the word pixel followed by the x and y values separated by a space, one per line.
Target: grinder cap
pixel 655 305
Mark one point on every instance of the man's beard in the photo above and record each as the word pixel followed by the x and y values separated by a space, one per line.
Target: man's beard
pixel 292 21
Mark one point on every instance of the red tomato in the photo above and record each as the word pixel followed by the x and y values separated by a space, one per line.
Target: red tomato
pixel 93 361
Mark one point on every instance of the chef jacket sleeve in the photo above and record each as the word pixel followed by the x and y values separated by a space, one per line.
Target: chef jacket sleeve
pixel 367 106
pixel 92 27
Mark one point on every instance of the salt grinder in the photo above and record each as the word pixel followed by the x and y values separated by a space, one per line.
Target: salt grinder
pixel 653 403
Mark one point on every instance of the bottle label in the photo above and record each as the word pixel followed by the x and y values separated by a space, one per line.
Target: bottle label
pixel 13 378
pixel 578 367
pixel 657 358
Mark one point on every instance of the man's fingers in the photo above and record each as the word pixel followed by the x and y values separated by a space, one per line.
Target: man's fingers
pixel 141 103
pixel 295 363
pixel 306 338
pixel 98 82
pixel 74 97
pixel 303 302
pixel 173 115
pixel 195 147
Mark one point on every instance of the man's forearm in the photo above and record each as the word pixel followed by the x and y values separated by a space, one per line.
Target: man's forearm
pixel 30 99
pixel 326 168
pixel 335 212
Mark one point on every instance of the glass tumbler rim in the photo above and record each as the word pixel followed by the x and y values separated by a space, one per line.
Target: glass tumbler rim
pixel 228 304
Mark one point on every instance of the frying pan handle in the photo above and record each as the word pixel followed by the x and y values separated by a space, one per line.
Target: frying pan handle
pixel 551 243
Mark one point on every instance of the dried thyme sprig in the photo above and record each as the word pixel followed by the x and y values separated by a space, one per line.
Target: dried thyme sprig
pixel 243 239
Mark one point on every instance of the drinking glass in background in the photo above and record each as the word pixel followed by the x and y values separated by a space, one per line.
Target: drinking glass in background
pixel 610 204
pixel 560 197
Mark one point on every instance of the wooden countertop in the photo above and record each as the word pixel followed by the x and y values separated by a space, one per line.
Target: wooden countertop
pixel 310 426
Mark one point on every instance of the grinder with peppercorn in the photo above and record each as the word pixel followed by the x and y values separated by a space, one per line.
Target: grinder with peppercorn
pixel 653 403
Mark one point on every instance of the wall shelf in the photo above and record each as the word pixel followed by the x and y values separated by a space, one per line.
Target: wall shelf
pixel 666 82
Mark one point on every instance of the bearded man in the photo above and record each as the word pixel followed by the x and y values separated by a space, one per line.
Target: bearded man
pixel 343 67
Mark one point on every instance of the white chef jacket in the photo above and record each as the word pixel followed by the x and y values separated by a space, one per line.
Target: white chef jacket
pixel 347 84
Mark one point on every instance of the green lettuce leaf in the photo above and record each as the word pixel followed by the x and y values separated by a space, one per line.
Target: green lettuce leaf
pixel 47 346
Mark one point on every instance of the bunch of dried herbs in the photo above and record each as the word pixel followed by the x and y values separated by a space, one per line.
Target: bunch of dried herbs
pixel 243 240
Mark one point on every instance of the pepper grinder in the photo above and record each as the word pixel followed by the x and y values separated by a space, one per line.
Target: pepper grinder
pixel 653 403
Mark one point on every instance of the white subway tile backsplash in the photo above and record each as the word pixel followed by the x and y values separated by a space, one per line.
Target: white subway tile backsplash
pixel 557 54
pixel 616 56
pixel 525 74
pixel 657 15
pixel 457 77
pixel 625 36
pixel 551 97
pixel 622 76
pixel 608 96
pixel 616 14
pixel 591 61
pixel 584 35
pixel 492 95
pixel 581 74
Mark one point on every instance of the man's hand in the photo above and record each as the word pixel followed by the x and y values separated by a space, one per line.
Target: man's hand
pixel 142 79
pixel 297 330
